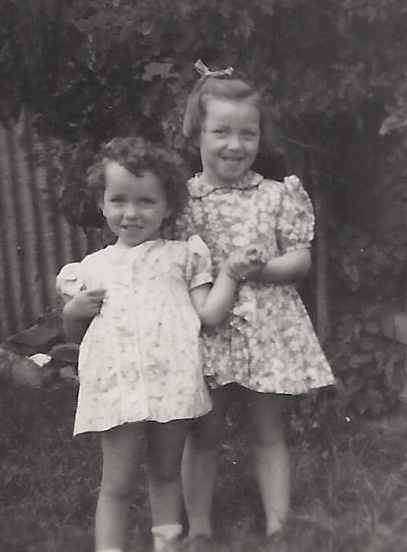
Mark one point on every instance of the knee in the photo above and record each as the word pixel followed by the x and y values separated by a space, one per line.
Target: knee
pixel 268 436
pixel 165 471
pixel 206 433
pixel 117 489
pixel 204 441
pixel 266 426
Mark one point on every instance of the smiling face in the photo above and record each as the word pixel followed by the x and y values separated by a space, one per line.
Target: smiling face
pixel 229 140
pixel 134 206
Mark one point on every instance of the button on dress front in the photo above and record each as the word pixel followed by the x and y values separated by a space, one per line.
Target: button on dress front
pixel 140 358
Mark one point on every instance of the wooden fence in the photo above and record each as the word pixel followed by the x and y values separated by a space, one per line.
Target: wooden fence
pixel 35 240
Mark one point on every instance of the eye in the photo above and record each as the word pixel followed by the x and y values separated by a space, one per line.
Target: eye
pixel 147 201
pixel 249 133
pixel 220 131
pixel 116 199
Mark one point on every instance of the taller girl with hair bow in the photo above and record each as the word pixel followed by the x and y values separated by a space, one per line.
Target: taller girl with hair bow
pixel 267 346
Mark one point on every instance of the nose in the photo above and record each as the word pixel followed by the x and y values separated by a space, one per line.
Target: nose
pixel 234 141
pixel 131 210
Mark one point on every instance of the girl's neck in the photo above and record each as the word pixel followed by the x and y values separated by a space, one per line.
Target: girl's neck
pixel 122 245
pixel 215 182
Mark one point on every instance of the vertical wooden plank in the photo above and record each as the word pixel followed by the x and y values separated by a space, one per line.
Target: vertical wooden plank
pixel 35 238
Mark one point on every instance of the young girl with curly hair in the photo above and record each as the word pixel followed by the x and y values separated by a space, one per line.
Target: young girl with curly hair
pixel 136 307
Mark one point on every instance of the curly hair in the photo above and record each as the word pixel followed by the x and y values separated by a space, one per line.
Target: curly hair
pixel 138 156
pixel 223 88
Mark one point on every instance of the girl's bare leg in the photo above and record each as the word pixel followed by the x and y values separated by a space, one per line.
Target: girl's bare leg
pixel 122 448
pixel 271 459
pixel 165 445
pixel 199 464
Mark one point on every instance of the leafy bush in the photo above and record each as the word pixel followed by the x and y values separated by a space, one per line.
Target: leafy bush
pixel 369 367
pixel 90 70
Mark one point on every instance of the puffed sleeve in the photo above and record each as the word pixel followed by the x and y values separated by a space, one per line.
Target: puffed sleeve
pixel 295 221
pixel 70 280
pixel 199 265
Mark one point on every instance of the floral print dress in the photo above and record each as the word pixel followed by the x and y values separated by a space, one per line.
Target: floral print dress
pixel 140 358
pixel 268 343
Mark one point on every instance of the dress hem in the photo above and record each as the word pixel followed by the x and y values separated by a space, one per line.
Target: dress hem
pixel 214 385
pixel 101 429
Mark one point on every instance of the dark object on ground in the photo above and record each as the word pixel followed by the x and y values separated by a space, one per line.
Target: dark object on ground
pixel 40 338
pixel 18 370
pixel 64 354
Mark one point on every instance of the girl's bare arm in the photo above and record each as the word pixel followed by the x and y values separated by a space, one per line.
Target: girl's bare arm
pixel 74 328
pixel 212 303
pixel 79 312
pixel 288 268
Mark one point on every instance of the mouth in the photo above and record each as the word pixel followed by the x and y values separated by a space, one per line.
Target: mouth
pixel 131 227
pixel 232 160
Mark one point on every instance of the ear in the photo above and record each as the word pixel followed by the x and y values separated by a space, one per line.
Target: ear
pixel 100 206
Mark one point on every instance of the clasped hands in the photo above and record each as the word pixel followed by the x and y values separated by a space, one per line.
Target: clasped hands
pixel 246 263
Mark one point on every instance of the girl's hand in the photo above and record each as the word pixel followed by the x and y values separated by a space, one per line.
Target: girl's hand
pixel 85 305
pixel 245 263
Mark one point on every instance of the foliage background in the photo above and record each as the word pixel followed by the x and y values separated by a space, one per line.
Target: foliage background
pixel 334 78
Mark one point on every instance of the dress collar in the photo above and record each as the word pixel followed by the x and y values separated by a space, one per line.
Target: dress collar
pixel 119 249
pixel 200 187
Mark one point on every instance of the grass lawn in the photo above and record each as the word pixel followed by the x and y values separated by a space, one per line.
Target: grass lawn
pixel 349 483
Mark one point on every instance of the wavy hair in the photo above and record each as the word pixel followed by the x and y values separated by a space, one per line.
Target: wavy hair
pixel 138 156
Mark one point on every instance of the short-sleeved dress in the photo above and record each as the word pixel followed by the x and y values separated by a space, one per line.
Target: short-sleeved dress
pixel 268 343
pixel 141 357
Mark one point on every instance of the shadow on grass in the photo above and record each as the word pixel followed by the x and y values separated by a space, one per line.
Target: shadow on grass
pixel 349 484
